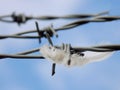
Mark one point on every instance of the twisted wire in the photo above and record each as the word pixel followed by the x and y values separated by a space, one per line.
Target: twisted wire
pixel 22 18
pixel 64 27
pixel 24 55
pixel 52 31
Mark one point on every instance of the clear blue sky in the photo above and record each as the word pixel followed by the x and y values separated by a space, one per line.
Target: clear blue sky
pixel 18 74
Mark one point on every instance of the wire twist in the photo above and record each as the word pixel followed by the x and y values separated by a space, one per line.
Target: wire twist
pixel 24 55
pixel 52 31
pixel 22 18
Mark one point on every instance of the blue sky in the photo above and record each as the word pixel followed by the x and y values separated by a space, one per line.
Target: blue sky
pixel 18 74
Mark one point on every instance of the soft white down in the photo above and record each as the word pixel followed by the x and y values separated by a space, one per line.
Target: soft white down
pixel 60 56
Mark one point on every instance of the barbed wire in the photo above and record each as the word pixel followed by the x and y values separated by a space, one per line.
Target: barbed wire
pixel 49 31
pixel 22 18
pixel 24 55
pixel 52 31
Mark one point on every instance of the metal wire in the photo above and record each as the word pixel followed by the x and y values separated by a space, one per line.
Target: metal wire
pixel 20 56
pixel 23 55
pixel 16 36
pixel 51 31
pixel 64 27
pixel 22 18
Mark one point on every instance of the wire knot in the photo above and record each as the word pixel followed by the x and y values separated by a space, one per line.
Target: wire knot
pixel 50 30
pixel 20 18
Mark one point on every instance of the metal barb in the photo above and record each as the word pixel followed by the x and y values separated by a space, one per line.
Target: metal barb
pixel 53 30
pixel 49 39
pixel 38 30
pixel 21 18
pixel 53 68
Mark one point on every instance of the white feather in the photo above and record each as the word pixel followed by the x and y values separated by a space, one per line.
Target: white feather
pixel 60 56
pixel 89 57
pixel 52 53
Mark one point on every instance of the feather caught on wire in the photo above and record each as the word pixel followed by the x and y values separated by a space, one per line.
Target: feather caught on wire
pixel 66 55
pixel 61 56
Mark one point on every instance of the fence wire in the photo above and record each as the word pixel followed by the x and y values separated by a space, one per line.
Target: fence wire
pixel 22 18
pixel 24 55
pixel 53 31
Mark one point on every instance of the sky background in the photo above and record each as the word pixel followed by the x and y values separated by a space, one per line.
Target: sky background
pixel 35 74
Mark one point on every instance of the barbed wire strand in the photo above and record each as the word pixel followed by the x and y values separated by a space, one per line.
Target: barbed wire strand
pixel 22 18
pixel 20 56
pixel 20 37
pixel 23 55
